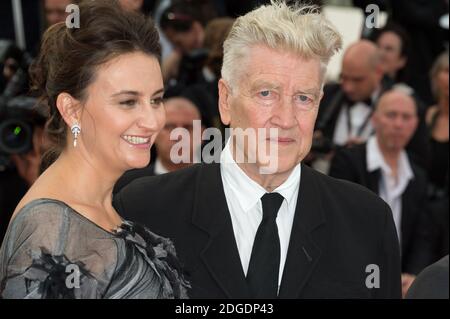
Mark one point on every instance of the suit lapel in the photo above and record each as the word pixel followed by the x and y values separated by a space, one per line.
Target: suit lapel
pixel 220 255
pixel 407 209
pixel 373 181
pixel 305 244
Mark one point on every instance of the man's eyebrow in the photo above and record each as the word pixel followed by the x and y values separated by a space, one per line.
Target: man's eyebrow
pixel 260 83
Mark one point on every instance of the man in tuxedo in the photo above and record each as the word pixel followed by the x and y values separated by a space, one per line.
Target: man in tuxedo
pixel 383 166
pixel 346 108
pixel 246 228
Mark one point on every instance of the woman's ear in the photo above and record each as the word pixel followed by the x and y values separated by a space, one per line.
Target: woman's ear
pixel 69 108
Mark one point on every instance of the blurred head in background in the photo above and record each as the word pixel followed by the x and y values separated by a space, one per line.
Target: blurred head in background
pixel 361 71
pixel 216 33
pixel 131 5
pixel 55 10
pixel 395 120
pixel 180 113
pixel 439 77
pixel 183 23
pixel 393 43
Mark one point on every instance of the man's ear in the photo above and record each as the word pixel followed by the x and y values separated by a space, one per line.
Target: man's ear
pixel 69 108
pixel 224 104
pixel 320 97
pixel 402 62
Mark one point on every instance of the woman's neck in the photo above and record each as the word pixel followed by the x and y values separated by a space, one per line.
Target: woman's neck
pixel 443 106
pixel 85 181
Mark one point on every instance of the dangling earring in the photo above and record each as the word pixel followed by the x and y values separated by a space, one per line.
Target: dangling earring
pixel 76 129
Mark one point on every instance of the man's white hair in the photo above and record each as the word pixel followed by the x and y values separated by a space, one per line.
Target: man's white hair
pixel 300 29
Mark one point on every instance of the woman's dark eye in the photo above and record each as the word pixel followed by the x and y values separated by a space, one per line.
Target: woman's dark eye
pixel 157 101
pixel 129 102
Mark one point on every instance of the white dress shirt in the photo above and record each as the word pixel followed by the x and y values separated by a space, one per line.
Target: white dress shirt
pixel 359 113
pixel 159 168
pixel 390 188
pixel 244 203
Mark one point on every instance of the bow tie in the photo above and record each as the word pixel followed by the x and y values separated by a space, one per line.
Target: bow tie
pixel 368 102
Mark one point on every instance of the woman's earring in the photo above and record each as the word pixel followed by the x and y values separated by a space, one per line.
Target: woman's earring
pixel 76 129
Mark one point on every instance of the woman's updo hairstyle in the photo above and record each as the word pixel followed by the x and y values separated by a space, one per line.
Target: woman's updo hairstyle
pixel 69 58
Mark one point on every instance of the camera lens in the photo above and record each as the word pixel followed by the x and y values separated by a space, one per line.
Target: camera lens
pixel 15 137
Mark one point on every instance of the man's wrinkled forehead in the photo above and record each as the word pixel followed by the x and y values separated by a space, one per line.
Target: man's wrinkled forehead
pixel 286 82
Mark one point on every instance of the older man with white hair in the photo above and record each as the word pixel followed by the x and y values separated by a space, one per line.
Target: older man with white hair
pixel 263 225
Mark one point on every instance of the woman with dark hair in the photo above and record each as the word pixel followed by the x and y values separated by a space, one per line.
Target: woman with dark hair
pixel 437 122
pixel 102 84
pixel 394 44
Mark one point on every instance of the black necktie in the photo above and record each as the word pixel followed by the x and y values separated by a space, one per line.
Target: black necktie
pixel 262 275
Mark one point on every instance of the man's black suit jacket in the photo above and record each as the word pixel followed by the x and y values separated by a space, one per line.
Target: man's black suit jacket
pixel 417 250
pixel 339 229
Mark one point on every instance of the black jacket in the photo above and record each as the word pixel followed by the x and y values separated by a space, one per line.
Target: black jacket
pixel 339 229
pixel 432 283
pixel 417 249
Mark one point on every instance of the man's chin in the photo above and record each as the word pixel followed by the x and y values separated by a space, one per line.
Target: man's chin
pixel 277 166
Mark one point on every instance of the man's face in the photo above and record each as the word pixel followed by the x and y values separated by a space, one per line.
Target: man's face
pixel 55 11
pixel 180 113
pixel 395 121
pixel 359 79
pixel 276 90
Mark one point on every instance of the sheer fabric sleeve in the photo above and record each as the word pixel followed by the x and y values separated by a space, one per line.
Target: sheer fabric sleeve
pixel 45 255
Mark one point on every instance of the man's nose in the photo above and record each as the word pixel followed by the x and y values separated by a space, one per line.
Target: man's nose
pixel 399 122
pixel 284 114
pixel 347 87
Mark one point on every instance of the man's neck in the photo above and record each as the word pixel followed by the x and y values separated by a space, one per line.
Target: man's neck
pixel 269 182
pixel 391 157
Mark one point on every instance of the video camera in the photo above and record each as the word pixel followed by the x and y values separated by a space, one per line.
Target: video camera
pixel 19 114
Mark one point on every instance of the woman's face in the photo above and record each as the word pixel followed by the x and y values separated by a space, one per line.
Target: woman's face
pixel 442 82
pixel 123 112
pixel 390 45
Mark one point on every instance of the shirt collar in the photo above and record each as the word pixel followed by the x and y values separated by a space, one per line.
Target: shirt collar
pixel 251 192
pixel 375 160
pixel 159 167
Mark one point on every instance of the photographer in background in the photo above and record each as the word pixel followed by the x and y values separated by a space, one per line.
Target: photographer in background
pixel 21 131
pixel 183 24
pixel 22 144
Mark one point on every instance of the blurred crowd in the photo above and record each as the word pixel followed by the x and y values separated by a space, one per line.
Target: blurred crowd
pixel 383 124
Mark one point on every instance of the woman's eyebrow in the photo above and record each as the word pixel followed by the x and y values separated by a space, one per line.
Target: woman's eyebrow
pixel 160 91
pixel 126 93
